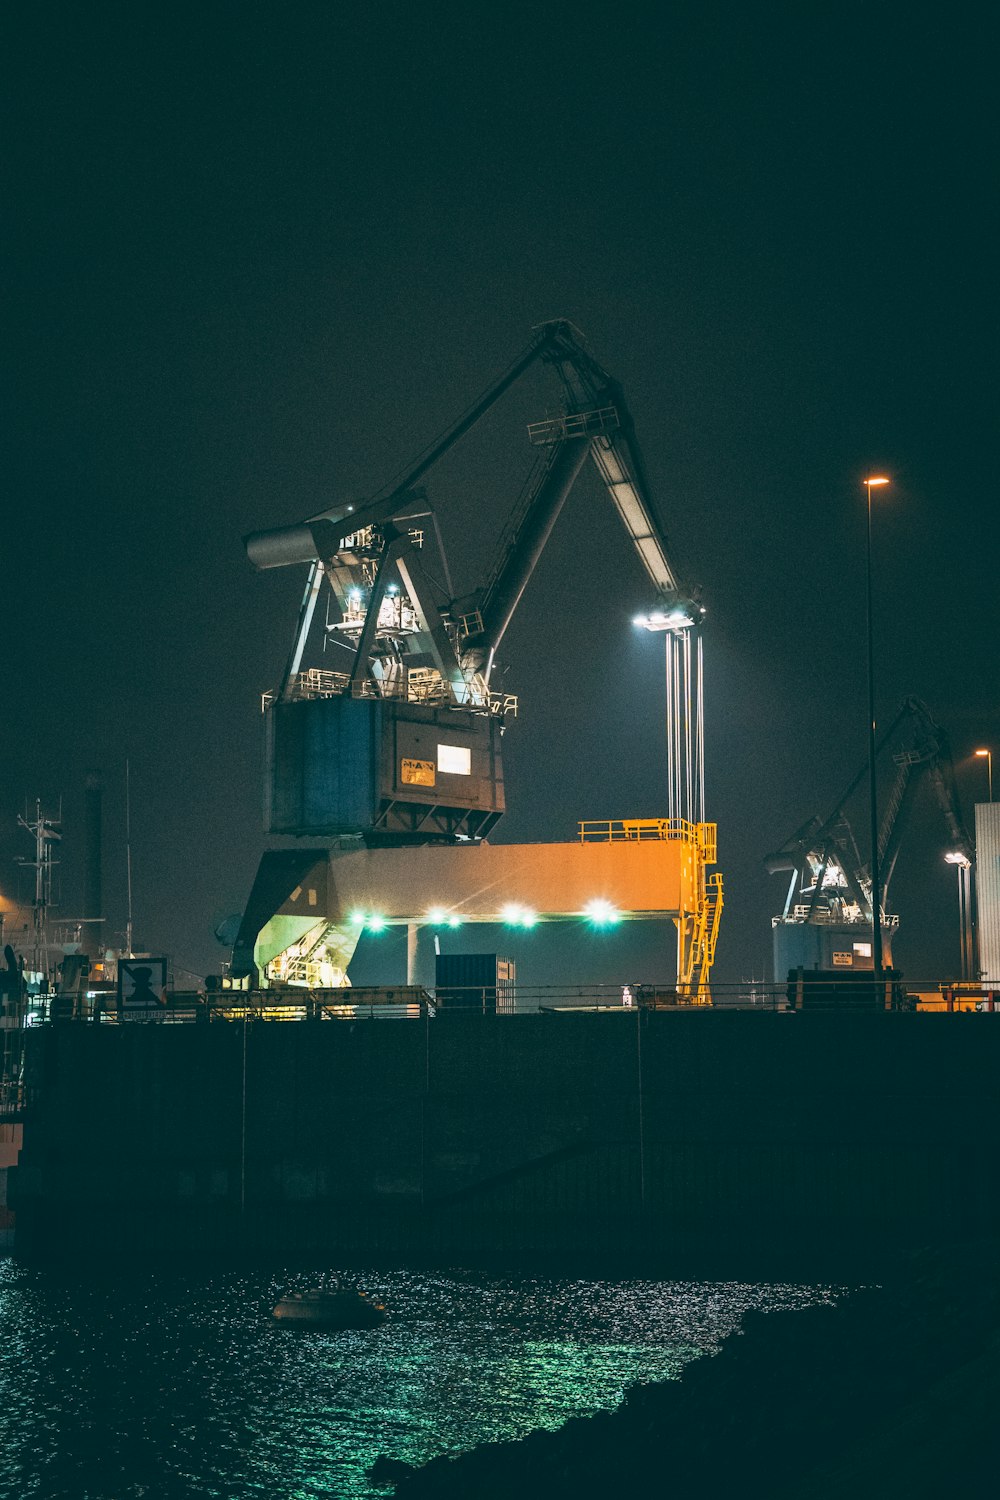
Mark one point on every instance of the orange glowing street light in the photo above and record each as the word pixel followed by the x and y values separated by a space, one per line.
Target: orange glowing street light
pixel 989 770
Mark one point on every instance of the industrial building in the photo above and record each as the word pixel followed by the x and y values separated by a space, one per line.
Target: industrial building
pixel 988 891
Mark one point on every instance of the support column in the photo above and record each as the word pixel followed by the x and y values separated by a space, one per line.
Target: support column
pixel 412 952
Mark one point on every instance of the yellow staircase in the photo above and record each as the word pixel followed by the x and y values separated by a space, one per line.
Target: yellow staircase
pixel 699 928
pixel 700 910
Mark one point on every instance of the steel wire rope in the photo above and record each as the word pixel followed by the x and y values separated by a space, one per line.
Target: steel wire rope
pixel 389 485
pixel 515 515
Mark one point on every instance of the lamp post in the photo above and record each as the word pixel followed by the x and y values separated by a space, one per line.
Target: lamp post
pixel 988 754
pixel 872 791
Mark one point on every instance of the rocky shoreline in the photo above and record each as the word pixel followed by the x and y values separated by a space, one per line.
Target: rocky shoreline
pixel 890 1392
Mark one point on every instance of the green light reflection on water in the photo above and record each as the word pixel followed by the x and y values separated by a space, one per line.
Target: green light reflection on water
pixel 184 1387
pixel 423 1405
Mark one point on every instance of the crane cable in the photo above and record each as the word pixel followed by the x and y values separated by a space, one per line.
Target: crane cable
pixel 389 485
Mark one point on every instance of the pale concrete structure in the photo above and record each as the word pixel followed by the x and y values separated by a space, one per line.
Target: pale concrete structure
pixel 988 888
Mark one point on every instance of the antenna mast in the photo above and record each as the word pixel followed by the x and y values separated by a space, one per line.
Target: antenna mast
pixel 46 831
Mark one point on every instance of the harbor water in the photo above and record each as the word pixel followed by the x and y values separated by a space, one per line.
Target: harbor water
pixel 123 1382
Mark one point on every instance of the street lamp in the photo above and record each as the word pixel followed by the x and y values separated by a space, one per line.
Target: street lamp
pixel 989 770
pixel 870 484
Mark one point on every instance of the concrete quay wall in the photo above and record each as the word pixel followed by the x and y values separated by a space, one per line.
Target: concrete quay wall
pixel 467 1137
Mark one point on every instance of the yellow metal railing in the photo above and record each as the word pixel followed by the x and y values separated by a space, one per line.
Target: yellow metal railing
pixel 715 904
pixel 622 830
pixel 700 929
pixel 701 909
pixel 625 830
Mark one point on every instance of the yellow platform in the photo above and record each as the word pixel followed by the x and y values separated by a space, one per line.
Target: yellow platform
pixel 640 868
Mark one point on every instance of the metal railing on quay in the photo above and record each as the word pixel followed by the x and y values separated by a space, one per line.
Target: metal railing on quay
pixel 803 991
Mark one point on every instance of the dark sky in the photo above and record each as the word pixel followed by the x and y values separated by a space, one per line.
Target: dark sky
pixel 253 264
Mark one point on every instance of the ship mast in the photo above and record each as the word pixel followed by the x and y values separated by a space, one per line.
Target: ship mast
pixel 47 832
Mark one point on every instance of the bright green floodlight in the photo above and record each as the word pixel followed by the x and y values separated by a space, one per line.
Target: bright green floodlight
pixel 602 914
pixel 436 916
pixel 516 915
pixel 375 923
pixel 358 918
pixel 454 921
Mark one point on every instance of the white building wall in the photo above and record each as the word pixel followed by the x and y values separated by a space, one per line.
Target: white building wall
pixel 988 888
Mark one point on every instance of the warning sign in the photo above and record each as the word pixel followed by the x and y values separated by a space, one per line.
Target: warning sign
pixel 417 772
pixel 141 984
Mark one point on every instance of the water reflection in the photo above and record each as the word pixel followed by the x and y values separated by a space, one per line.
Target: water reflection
pixel 176 1386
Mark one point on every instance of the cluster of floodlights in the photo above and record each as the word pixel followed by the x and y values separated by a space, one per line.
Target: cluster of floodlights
pixel 354 595
pixel 661 619
pixel 515 915
pixel 599 913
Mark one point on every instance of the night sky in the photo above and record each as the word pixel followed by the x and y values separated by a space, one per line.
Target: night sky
pixel 252 264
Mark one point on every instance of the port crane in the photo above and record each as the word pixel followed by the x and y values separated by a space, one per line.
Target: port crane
pixel 826 922
pixel 413 663
pixel 397 744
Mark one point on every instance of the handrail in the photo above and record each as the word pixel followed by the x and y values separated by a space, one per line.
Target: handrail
pixel 630 830
pixel 573 424
pixel 502 1001
pixel 414 688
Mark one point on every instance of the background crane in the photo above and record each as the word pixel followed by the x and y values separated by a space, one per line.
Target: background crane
pixel 826 922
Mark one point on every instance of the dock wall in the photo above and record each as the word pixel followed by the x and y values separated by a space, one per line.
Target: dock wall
pixel 467 1137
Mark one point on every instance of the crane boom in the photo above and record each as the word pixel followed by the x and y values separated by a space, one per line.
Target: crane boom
pixel 504 594
pixel 596 409
pixel 596 406
pixel 635 514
